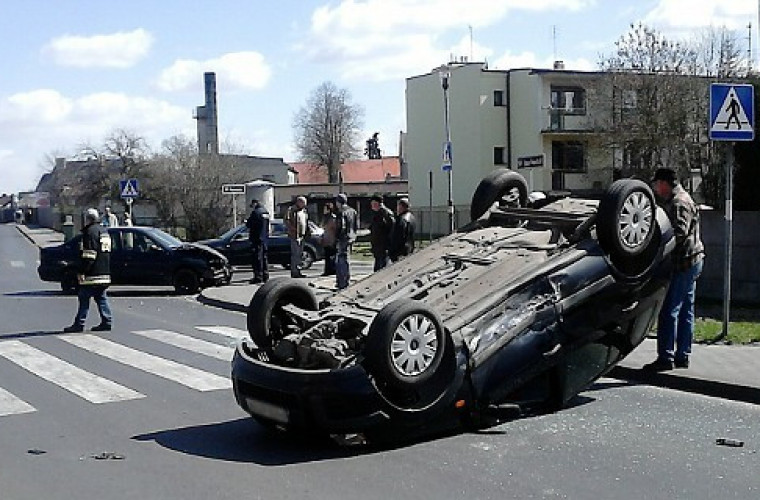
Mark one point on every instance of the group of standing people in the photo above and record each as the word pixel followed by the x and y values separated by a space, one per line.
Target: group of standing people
pixel 391 236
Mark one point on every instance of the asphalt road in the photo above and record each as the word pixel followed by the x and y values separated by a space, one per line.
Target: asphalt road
pixel 174 431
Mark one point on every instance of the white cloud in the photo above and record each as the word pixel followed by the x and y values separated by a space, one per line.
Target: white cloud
pixel 388 39
pixel 236 70
pixel 531 60
pixel 32 124
pixel 732 14
pixel 117 50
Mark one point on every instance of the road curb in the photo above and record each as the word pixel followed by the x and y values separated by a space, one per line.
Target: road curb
pixel 221 304
pixel 722 390
pixel 27 236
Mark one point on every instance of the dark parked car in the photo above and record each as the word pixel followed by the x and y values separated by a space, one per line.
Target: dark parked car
pixel 525 306
pixel 234 244
pixel 142 256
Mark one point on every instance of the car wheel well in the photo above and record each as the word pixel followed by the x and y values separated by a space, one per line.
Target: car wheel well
pixel 186 281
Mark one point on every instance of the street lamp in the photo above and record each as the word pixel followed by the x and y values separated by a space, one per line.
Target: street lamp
pixel 445 74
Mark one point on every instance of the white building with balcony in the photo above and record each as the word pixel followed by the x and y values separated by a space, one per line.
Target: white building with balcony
pixel 536 121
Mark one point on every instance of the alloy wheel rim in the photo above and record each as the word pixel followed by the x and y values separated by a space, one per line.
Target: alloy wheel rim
pixel 635 221
pixel 414 345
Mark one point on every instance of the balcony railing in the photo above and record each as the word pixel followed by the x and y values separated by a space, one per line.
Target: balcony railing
pixel 567 120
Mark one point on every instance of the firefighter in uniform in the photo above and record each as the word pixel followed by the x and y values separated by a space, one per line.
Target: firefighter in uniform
pixel 258 234
pixel 94 273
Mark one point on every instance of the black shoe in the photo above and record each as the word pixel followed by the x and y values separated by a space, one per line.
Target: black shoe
pixel 73 329
pixel 681 363
pixel 103 327
pixel 255 281
pixel 658 365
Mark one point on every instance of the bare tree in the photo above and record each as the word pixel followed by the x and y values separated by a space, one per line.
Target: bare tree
pixel 657 95
pixel 186 187
pixel 718 53
pixel 327 128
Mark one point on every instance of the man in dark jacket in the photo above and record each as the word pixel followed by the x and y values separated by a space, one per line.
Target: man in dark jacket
pixel 380 230
pixel 94 273
pixel 675 324
pixel 402 239
pixel 258 234
pixel 346 225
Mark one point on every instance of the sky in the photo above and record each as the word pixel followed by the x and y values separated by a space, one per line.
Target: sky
pixel 73 71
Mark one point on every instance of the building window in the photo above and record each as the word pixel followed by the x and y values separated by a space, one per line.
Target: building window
pixel 498 98
pixel 569 156
pixel 498 155
pixel 570 100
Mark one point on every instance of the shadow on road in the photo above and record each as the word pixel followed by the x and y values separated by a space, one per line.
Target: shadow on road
pixel 711 388
pixel 244 440
pixel 111 293
pixel 26 335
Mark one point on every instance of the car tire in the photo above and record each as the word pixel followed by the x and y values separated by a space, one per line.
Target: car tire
pixel 408 354
pixel 504 186
pixel 308 256
pixel 627 228
pixel 69 283
pixel 186 282
pixel 266 321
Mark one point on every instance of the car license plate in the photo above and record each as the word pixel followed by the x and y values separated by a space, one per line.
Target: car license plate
pixel 267 410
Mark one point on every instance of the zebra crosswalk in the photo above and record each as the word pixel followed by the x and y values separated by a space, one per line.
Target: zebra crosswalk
pixel 95 387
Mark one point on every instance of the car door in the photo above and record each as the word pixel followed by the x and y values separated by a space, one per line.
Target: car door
pixel 239 248
pixel 278 245
pixel 141 260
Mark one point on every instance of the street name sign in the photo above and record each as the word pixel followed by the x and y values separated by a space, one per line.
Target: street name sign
pixel 530 161
pixel 233 188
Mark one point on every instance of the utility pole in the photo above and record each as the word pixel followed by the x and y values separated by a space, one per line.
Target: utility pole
pixel 445 75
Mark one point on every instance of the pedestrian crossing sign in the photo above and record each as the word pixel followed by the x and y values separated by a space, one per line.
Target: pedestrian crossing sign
pixel 732 112
pixel 129 188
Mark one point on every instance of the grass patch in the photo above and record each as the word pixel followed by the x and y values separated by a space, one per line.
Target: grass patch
pixel 739 332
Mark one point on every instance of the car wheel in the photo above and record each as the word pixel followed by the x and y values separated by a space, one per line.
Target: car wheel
pixel 186 282
pixel 308 256
pixel 267 322
pixel 405 352
pixel 70 283
pixel 626 226
pixel 504 186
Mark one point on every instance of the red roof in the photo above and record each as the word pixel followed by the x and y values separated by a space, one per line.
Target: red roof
pixel 353 171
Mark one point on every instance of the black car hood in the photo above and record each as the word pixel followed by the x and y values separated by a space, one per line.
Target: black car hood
pixel 199 249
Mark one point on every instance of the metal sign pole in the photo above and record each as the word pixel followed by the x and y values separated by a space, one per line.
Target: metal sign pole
pixel 729 240
pixel 234 210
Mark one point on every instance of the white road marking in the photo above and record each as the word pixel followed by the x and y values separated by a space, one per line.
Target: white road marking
pixel 11 405
pixel 18 263
pixel 86 385
pixel 225 331
pixel 189 343
pixel 171 370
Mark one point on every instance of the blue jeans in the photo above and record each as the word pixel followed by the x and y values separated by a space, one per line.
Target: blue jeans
pixel 98 293
pixel 342 269
pixel 675 325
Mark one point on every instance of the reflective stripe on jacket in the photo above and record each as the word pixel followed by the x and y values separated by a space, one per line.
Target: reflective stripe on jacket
pixel 95 256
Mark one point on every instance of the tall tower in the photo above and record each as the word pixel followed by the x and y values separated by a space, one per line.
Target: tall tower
pixel 208 141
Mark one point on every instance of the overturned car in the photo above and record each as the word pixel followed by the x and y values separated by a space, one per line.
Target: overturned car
pixel 525 306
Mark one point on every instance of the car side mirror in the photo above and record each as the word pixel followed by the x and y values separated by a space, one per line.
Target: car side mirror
pixel 152 247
